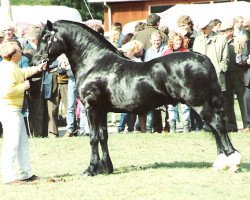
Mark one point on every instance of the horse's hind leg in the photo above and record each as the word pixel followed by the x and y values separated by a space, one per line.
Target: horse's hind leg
pixel 227 157
pixel 96 120
pixel 94 140
pixel 106 163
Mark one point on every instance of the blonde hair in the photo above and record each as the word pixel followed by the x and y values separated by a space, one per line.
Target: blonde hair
pixel 237 18
pixel 185 20
pixel 156 33
pixel 134 45
pixel 172 36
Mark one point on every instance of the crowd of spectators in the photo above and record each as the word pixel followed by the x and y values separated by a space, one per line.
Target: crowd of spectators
pixel 224 42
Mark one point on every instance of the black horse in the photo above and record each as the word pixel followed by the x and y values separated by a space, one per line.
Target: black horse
pixel 109 82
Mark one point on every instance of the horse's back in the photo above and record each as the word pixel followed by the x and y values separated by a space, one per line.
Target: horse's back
pixel 191 77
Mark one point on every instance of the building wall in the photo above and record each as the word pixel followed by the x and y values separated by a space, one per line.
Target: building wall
pixel 125 12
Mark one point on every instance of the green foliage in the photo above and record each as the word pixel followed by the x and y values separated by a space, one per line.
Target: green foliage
pixel 30 2
pixel 95 9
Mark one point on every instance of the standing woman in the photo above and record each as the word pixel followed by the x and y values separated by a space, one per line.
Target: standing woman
pixel 15 140
pixel 176 43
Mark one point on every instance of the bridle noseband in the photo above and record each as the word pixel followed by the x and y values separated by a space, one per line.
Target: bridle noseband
pixel 45 57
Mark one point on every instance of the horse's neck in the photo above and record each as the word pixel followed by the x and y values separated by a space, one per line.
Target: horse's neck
pixel 84 49
pixel 89 53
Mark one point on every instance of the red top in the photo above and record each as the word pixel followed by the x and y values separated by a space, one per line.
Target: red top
pixel 168 51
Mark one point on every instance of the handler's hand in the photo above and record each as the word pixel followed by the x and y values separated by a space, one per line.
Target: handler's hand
pixel 26 85
pixel 41 67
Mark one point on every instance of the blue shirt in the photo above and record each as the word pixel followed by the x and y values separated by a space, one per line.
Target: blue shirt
pixel 152 52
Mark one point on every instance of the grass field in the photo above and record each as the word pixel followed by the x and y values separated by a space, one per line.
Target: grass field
pixel 147 166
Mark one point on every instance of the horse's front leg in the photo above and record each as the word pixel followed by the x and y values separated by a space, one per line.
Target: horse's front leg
pixel 98 133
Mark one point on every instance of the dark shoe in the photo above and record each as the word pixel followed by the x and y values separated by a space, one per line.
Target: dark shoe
pixel 120 130
pixel 232 130
pixel 30 179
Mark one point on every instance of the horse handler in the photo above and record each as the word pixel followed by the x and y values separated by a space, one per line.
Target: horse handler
pixel 13 84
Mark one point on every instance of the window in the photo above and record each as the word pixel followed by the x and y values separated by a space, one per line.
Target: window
pixel 159 8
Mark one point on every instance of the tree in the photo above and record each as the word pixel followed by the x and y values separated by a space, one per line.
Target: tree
pixel 6 8
pixel 96 9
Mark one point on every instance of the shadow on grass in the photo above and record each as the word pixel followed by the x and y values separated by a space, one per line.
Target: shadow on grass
pixel 58 178
pixel 245 167
pixel 157 165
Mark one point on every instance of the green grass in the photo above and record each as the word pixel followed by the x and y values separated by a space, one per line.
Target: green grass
pixel 147 166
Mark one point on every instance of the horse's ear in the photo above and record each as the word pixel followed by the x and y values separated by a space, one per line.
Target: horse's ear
pixel 49 25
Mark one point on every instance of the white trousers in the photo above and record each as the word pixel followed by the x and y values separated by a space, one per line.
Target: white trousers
pixel 15 152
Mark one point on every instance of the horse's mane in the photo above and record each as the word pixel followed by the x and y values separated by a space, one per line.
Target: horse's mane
pixel 91 33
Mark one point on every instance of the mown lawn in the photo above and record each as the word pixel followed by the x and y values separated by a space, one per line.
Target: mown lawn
pixel 147 166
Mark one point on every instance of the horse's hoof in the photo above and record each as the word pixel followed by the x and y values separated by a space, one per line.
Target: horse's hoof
pixel 234 160
pixel 220 163
pixel 89 172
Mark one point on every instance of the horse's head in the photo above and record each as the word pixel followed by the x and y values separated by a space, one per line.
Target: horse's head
pixel 50 44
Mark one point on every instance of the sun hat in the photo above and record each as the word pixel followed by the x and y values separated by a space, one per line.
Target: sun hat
pixel 204 23
pixel 226 25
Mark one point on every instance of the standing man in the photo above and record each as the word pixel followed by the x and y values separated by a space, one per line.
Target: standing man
pixel 38 111
pixel 245 61
pixel 55 90
pixel 215 47
pixel 234 80
pixel 153 22
pixel 154 118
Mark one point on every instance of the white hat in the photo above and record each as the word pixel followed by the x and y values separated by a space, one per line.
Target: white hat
pixel 205 22
pixel 226 25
